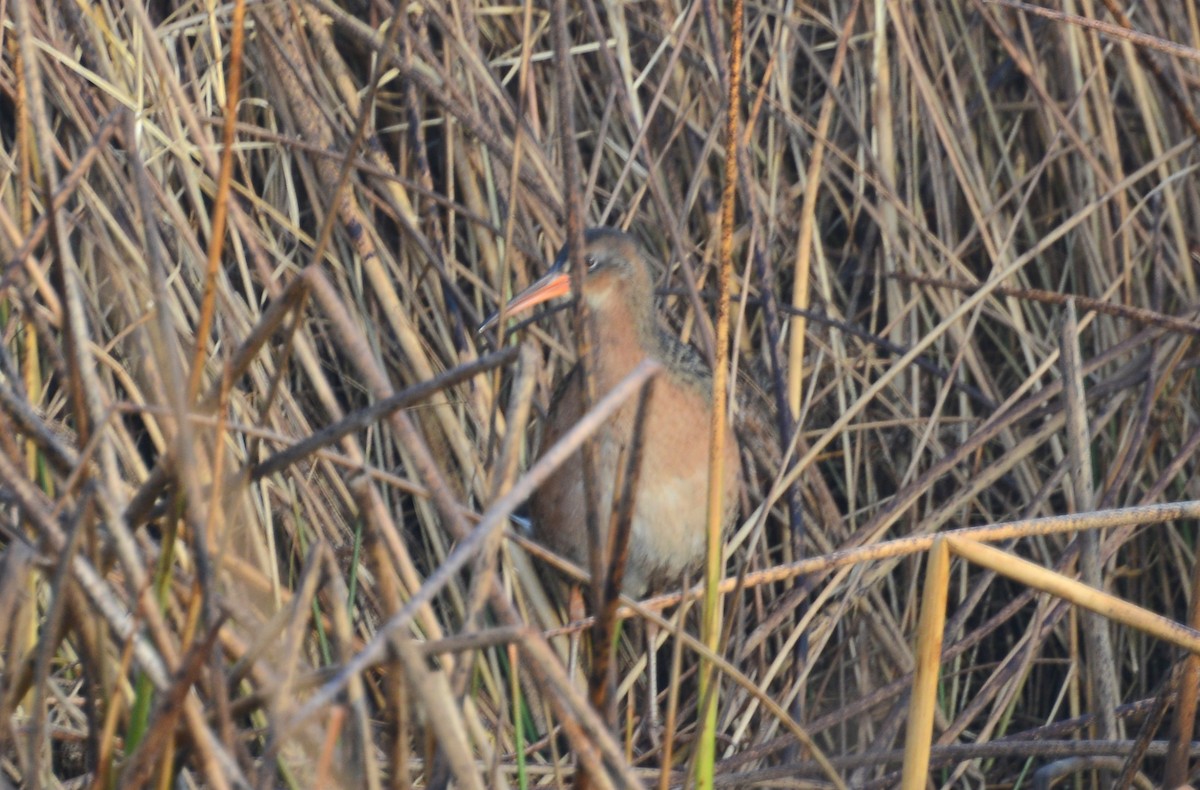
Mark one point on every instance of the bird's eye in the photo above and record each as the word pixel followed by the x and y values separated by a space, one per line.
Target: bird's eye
pixel 592 261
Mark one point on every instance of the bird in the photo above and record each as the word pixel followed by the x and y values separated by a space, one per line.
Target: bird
pixel 667 536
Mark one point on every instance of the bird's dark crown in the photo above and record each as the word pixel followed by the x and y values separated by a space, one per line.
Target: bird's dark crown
pixel 602 248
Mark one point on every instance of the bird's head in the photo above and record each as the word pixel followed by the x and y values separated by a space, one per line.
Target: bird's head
pixel 616 277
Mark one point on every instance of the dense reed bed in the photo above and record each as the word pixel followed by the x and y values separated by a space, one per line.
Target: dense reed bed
pixel 256 464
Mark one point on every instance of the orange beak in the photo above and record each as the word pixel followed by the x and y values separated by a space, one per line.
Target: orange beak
pixel 555 283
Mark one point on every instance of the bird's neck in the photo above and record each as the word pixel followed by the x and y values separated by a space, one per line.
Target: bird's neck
pixel 624 342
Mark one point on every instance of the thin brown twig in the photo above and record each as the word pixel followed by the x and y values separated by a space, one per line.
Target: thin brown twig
pixel 1137 314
